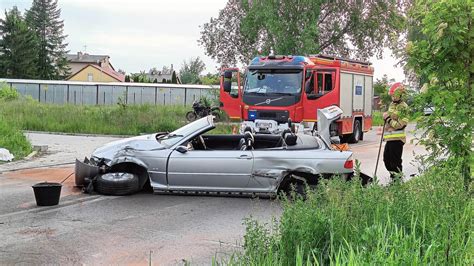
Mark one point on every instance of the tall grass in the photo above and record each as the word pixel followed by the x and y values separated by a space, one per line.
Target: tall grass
pixel 118 119
pixel 427 220
pixel 12 139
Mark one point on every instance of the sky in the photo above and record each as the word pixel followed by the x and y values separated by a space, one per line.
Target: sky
pixel 141 34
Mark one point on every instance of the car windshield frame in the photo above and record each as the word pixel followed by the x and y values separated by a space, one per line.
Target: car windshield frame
pixel 265 82
pixel 171 139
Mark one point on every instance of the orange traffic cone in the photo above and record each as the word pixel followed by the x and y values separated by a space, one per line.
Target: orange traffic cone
pixel 234 130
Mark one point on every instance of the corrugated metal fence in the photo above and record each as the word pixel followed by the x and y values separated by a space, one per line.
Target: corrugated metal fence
pixel 99 93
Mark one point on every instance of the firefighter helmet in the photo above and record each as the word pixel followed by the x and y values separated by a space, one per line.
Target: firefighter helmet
pixel 396 88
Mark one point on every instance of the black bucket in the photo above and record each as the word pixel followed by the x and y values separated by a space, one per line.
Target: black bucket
pixel 47 194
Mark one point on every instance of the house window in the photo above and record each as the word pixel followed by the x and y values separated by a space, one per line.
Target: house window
pixel 90 77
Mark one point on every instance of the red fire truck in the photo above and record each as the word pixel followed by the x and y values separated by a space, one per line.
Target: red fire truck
pixel 279 88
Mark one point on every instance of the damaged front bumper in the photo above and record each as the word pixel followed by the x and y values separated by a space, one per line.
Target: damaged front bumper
pixel 84 171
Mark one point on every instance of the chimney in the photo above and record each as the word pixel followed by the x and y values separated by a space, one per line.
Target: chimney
pixel 171 68
pixel 79 55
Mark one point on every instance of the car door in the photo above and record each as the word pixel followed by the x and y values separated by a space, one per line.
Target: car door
pixel 211 170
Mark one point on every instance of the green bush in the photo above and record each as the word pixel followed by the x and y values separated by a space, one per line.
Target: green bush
pixel 7 93
pixel 427 220
pixel 377 119
pixel 12 139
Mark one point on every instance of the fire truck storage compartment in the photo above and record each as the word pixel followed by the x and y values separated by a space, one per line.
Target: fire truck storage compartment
pixel 368 95
pixel 356 93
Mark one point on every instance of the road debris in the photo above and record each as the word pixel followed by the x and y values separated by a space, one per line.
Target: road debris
pixel 5 155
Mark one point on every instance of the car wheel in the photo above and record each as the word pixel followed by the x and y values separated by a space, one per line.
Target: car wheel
pixel 117 184
pixel 191 116
pixel 357 133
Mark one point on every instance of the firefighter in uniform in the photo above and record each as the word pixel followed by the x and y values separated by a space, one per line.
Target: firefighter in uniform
pixel 394 133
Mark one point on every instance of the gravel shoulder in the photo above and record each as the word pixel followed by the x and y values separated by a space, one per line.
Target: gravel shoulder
pixel 61 149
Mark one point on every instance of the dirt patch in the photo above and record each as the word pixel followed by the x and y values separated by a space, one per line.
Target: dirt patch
pixel 48 175
pixel 37 231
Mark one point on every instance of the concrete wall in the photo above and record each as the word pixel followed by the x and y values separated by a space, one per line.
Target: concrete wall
pixel 97 93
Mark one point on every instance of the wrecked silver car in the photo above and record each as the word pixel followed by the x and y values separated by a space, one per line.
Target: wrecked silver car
pixel 190 159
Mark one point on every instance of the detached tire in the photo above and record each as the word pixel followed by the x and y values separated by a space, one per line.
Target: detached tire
pixel 117 184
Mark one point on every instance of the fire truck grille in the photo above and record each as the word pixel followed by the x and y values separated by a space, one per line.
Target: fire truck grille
pixel 279 116
pixel 267 114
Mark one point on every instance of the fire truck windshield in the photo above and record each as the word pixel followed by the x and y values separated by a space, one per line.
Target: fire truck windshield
pixel 273 82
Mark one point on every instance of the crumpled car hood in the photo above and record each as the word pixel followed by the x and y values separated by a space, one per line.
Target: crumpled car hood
pixel 143 143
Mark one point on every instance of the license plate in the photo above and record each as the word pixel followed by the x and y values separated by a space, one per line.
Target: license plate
pixel 264 125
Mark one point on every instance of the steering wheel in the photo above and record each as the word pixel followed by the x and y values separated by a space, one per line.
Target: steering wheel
pixel 202 142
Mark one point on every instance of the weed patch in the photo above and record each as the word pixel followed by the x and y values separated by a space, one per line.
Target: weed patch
pixel 12 139
pixel 427 220
pixel 7 93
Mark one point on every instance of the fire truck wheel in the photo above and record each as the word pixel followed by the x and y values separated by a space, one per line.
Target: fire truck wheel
pixel 357 133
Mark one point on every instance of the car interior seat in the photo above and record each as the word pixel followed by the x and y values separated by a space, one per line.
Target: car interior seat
pixel 249 140
pixel 289 137
pixel 242 145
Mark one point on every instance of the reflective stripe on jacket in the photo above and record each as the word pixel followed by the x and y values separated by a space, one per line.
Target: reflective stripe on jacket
pixel 396 134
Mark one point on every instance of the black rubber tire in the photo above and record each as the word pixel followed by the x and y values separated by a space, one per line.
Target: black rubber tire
pixel 115 184
pixel 356 133
pixel 217 116
pixel 191 116
pixel 343 138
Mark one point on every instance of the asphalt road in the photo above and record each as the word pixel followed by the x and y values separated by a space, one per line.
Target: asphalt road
pixel 137 229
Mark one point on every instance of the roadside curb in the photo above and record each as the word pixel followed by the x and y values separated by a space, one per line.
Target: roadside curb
pixel 81 134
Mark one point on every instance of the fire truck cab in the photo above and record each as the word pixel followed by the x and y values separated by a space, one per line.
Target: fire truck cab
pixel 276 89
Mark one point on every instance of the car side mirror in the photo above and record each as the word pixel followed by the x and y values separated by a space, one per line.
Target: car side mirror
pixel 227 74
pixel 227 81
pixel 227 85
pixel 181 149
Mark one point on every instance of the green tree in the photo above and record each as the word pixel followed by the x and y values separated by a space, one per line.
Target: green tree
pixel 357 29
pixel 445 57
pixel 381 87
pixel 44 18
pixel 210 79
pixel 174 79
pixel 191 70
pixel 17 47
pixel 140 77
